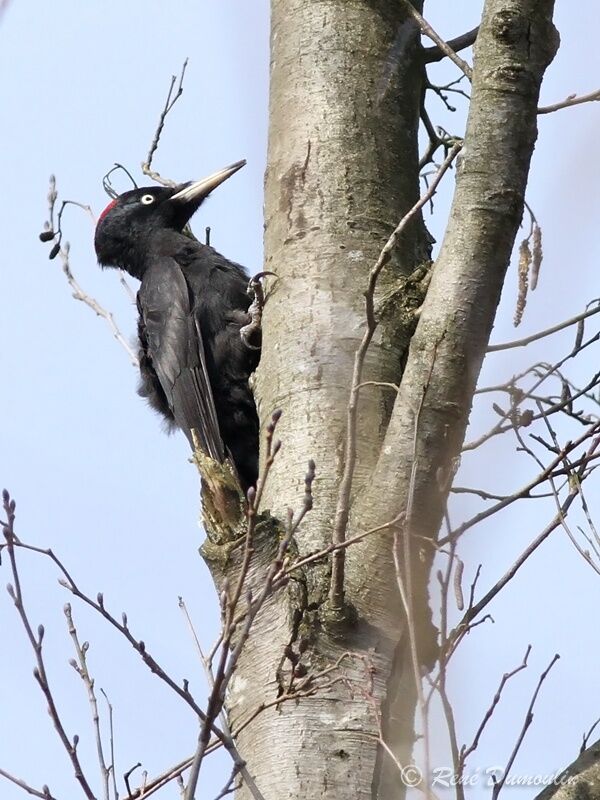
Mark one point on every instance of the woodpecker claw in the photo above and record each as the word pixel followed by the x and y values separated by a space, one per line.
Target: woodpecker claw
pixel 255 287
pixel 252 331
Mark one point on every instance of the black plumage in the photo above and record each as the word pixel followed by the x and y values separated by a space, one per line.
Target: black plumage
pixel 192 303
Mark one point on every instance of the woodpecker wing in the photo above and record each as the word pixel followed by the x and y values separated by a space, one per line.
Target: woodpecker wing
pixel 175 350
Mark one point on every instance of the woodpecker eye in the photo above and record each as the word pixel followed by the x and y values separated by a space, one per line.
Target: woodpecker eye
pixel 147 199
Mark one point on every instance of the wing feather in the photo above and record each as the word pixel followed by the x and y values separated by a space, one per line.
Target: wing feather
pixel 175 352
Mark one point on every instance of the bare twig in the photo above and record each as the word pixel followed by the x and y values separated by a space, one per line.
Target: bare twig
pixel 404 577
pixel 39 672
pixel 99 310
pixel 128 775
pixel 438 137
pixel 541 372
pixel 586 737
pixel 331 548
pixel 467 750
pixel 123 627
pixel 484 495
pixel 528 720
pixel 230 786
pixel 576 480
pixel 80 666
pixel 239 767
pixel 494 348
pixel 308 686
pixel 509 575
pixel 440 683
pixel 128 290
pixel 228 652
pixel 432 54
pixel 546 472
pixel 169 103
pixel 112 745
pixel 336 592
pixel 443 46
pixel 44 792
pixel 52 231
pixel 154 785
pixel 571 100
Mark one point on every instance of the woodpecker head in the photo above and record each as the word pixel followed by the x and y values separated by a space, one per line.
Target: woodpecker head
pixel 127 225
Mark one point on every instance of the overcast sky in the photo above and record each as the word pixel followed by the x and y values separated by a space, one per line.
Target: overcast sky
pixel 94 476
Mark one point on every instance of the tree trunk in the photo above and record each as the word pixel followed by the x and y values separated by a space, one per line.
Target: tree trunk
pixel 346 80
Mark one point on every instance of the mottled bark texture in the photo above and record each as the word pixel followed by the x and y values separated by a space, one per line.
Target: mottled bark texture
pixel 342 170
pixel 579 781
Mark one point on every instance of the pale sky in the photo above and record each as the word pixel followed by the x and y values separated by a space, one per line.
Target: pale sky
pixel 93 475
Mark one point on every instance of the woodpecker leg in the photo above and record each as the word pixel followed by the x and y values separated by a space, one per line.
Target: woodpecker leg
pixel 251 333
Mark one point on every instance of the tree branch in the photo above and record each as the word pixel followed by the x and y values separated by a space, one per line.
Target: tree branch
pixel 494 348
pixel 39 672
pixel 44 792
pixel 169 103
pixel 460 305
pixel 578 780
pixel 432 54
pixel 443 46
pixel 336 592
pixel 571 100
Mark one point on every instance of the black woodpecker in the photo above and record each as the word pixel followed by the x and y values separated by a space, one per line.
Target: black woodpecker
pixel 192 303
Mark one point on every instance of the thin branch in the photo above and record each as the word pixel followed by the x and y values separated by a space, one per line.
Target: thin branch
pixel 128 775
pixel 51 232
pixel 494 348
pixel 489 496
pixel 586 737
pixel 169 103
pixel 230 786
pixel 154 785
pixel 39 672
pixel 525 490
pixel 438 137
pixel 336 591
pixel 138 645
pixel 575 480
pixel 44 793
pixel 239 766
pixel 528 720
pixel 112 745
pixel 509 575
pixel 571 100
pixel 432 54
pixel 404 580
pixel 549 370
pixel 331 548
pixel 440 683
pixel 82 670
pixel 466 751
pixel 229 653
pixel 443 46
pixel 307 687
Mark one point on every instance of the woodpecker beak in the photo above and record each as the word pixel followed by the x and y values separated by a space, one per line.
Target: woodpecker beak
pixel 198 190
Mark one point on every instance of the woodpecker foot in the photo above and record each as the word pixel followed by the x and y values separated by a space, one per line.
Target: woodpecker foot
pixel 251 333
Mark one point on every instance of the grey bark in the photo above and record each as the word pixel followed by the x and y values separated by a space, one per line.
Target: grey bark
pixel 579 781
pixel 342 170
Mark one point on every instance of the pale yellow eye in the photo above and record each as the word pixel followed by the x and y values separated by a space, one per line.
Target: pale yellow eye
pixel 147 199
